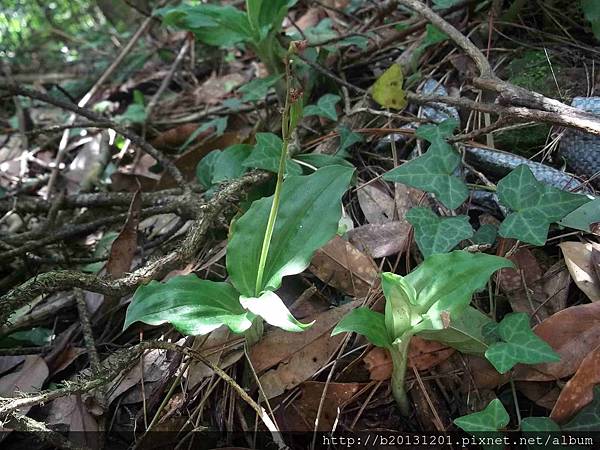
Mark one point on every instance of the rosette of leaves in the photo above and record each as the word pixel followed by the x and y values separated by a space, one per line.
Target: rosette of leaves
pixel 431 302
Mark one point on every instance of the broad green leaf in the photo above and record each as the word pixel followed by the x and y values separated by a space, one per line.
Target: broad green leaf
pixel 257 89
pixel 325 107
pixel 588 419
pixel 205 169
pixel 446 282
pixel 266 155
pixel 432 172
pixel 435 234
pixel 388 91
pixel 193 306
pixel 229 164
pixel 271 308
pixel 367 323
pixel 521 345
pixel 399 298
pixel 319 33
pixel 536 205
pixel 319 160
pixel 135 113
pixel 296 112
pixel 265 15
pixel 493 418
pixel 33 337
pixel 362 42
pixel 464 332
pixel 221 26
pixel 538 430
pixel 486 234
pixel 583 217
pixel 308 218
pixel 347 139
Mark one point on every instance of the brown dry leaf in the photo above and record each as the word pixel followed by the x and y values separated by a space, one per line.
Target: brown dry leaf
pixel 122 250
pixel 65 358
pixel 307 406
pixel 10 362
pixel 376 204
pixel 579 390
pixel 71 412
pixel 310 18
pixel 30 378
pixel 578 257
pixel 379 241
pixel 573 333
pixel 339 264
pixel 542 393
pixel 483 373
pixel 174 138
pixel 216 88
pixel 422 355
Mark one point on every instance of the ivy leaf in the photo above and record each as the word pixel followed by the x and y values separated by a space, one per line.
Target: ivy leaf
pixel 464 332
pixel 536 205
pixel 308 218
pixel 257 89
pixel 446 282
pixel 388 91
pixel 436 234
pixel 493 418
pixel 539 424
pixel 521 345
pixel 347 139
pixel 367 323
pixel 193 306
pixel 486 234
pixel 437 132
pixel 325 107
pixel 266 155
pixel 583 217
pixel 271 308
pixel 432 172
pixel 135 113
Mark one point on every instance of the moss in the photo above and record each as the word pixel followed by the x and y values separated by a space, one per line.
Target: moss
pixel 524 141
pixel 532 71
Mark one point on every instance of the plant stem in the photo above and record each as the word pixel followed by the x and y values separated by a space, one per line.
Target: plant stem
pixel 399 353
pixel 286 133
pixel 255 332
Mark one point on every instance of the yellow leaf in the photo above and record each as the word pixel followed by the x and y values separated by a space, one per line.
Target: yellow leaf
pixel 387 90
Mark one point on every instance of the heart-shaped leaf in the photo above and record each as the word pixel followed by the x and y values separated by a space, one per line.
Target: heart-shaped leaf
pixel 271 308
pixel 520 345
pixel 229 164
pixel 368 323
pixel 347 139
pixel 307 219
pixel 193 306
pixel 536 205
pixel 433 171
pixel 435 234
pixel 493 418
pixel 266 155
pixel 388 91
pixel 325 107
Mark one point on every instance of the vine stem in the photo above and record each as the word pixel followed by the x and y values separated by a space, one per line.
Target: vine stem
pixel 286 132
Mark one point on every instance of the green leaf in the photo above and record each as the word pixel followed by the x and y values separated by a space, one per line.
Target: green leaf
pixel 266 155
pixel 362 42
pixel 101 250
pixel 521 345
pixel 33 337
pixel 432 172
pixel 486 234
pixel 493 418
pixel 325 107
pixel 367 323
pixel 308 218
pixel 399 297
pixel 296 112
pixel 271 308
pixel 437 132
pixel 446 282
pixel 538 429
pixel 257 89
pixel 388 91
pixel 347 139
pixel 435 234
pixel 219 124
pixel 319 33
pixel 583 217
pixel 193 306
pixel 205 169
pixel 266 15
pixel 464 332
pixel 135 113
pixel 319 160
pixel 588 419
pixel 591 11
pixel 536 206
pixel 229 164
pixel 445 3
pixel 221 26
pixel 433 35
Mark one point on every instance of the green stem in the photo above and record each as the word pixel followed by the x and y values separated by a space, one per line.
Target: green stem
pixel 399 353
pixel 286 133
pixel 255 332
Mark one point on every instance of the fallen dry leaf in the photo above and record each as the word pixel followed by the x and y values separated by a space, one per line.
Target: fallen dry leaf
pixel 483 373
pixel 71 412
pixel 339 264
pixel 216 88
pixel 578 257
pixel 579 390
pixel 376 204
pixel 573 333
pixel 542 393
pixel 30 378
pixel 122 250
pixel 379 241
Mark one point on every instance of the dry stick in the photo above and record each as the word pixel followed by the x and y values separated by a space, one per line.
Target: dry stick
pixel 174 171
pixel 26 424
pixel 49 282
pixel 86 98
